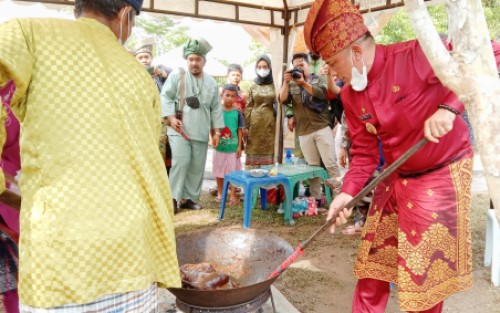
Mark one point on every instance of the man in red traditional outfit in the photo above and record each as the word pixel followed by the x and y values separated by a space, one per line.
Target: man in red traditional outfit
pixel 417 233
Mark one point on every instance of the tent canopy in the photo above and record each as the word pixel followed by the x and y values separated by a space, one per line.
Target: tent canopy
pixel 280 22
pixel 281 17
pixel 280 14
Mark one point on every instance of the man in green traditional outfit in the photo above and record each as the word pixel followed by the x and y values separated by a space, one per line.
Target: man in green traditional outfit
pixel 189 131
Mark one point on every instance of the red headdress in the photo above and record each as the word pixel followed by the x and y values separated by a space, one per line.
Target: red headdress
pixel 331 26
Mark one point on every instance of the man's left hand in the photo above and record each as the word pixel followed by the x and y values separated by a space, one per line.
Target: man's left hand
pixel 160 72
pixel 343 160
pixel 300 81
pixel 215 140
pixel 438 125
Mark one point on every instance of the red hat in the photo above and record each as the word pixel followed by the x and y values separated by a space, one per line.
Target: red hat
pixel 331 26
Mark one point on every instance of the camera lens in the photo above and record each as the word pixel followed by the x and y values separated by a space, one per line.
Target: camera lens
pixel 297 73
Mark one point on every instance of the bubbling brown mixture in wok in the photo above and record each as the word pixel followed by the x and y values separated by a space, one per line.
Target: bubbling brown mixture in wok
pixel 203 276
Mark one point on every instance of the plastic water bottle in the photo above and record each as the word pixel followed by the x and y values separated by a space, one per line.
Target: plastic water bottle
pixel 302 190
pixel 288 156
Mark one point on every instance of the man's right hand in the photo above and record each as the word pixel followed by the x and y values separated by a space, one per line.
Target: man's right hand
pixel 175 123
pixel 338 204
pixel 438 125
pixel 287 77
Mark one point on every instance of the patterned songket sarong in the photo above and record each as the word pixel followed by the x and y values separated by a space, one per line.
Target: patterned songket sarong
pixel 144 301
pixel 417 235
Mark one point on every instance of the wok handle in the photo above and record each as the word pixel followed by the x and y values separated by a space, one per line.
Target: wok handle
pixel 295 255
pixel 368 188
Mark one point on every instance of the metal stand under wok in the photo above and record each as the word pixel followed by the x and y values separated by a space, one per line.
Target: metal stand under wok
pixel 254 305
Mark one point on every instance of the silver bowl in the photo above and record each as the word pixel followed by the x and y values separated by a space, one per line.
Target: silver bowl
pixel 258 172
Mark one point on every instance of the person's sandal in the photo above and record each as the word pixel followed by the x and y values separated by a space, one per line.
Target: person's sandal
pixel 190 204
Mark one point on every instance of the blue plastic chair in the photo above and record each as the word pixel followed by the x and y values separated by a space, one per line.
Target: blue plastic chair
pixel 249 184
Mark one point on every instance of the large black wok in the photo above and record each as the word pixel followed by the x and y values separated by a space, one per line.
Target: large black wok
pixel 248 256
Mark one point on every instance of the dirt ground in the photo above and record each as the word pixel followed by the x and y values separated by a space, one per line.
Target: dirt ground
pixel 321 281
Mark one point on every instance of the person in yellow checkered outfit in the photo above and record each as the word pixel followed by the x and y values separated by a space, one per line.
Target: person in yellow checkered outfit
pixel 96 216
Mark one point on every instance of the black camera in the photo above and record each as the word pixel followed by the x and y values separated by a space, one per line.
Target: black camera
pixel 297 72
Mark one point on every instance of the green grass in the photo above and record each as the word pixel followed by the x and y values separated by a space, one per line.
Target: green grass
pixel 234 216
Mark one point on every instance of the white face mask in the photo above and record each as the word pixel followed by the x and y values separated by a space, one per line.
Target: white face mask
pixel 359 81
pixel 121 29
pixel 263 72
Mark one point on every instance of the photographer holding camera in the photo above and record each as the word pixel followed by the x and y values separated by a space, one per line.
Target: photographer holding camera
pixel 308 114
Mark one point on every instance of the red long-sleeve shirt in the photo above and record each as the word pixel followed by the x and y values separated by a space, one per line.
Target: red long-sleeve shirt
pixel 402 93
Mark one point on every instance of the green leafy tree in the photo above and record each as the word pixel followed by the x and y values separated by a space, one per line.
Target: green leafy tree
pixel 399 27
pixel 492 14
pixel 163 31
pixel 257 50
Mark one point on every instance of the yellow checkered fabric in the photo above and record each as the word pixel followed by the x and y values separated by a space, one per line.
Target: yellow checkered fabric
pixel 97 209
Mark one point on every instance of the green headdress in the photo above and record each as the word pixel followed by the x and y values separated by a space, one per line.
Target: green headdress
pixel 196 46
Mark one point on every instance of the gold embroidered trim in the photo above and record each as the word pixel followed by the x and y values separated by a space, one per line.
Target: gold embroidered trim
pixel 418 301
pixel 450 274
pixel 461 173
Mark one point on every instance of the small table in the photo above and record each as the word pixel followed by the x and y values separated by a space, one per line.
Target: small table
pixel 249 183
pixel 297 173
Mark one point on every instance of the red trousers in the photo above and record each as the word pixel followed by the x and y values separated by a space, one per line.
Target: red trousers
pixel 371 296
